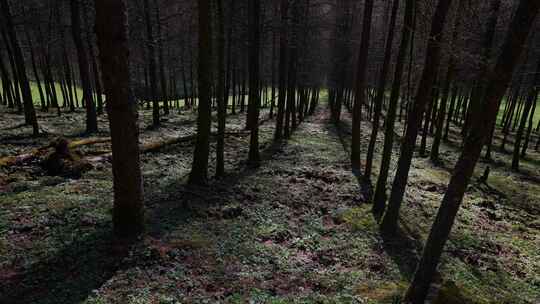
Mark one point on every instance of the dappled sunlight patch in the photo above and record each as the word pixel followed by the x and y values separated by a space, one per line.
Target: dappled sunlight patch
pixel 360 219
pixel 381 292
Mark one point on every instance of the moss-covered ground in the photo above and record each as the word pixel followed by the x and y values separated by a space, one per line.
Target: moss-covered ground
pixel 297 229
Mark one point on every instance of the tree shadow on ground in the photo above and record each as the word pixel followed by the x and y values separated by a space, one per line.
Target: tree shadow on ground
pixel 71 274
pixel 341 131
pixel 15 127
pixel 404 247
pixel 187 202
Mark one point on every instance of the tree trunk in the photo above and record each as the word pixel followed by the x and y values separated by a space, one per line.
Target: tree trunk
pixel 531 99
pixel 529 129
pixel 112 34
pixel 381 89
pixel 434 153
pixel 221 92
pixel 423 95
pixel 450 114
pixel 6 85
pixel 360 93
pixel 199 169
pixel 162 79
pixel 13 65
pixel 282 93
pixel 91 117
pixel 29 111
pixel 380 190
pixel 152 65
pixel 35 70
pixel 254 81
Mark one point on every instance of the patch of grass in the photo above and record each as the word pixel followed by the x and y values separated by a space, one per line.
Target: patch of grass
pixel 450 293
pixel 381 292
pixel 360 219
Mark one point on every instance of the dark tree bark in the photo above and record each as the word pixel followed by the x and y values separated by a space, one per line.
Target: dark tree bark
pixel 229 69
pixel 152 65
pixel 531 99
pixel 282 93
pixel 16 81
pixel 451 109
pixel 162 79
pixel 490 37
pixel 35 70
pixel 434 153
pixel 360 89
pixel 222 94
pixel 381 90
pixel 380 190
pixel 199 168
pixel 29 111
pixel 6 85
pixel 428 118
pixel 112 34
pixel 184 81
pixel 91 116
pixel 293 48
pixel 529 129
pixel 273 63
pixel 95 68
pixel 254 81
pixel 423 95
pixel 481 125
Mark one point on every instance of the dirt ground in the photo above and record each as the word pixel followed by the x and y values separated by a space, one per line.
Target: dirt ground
pixel 298 229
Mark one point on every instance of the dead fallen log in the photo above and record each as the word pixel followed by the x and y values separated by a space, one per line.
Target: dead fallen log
pixel 146 147
pixel 158 145
pixel 41 151
pixel 88 141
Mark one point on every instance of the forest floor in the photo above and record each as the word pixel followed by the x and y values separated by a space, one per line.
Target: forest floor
pixel 298 229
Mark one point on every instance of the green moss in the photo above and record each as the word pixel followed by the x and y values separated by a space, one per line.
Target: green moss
pixel 360 219
pixel 450 293
pixel 382 292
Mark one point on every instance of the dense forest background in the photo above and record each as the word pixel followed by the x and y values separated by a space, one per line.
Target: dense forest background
pixel 284 151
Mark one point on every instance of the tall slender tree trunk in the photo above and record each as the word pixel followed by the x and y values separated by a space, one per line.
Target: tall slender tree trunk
pixel 531 99
pixel 450 114
pixel 35 70
pixel 221 93
pixel 95 68
pixel 423 95
pixel 229 70
pixel 16 81
pixel 529 129
pixel 152 65
pixel 282 93
pixel 379 201
pixel 199 168
pixel 29 111
pixel 381 89
pixel 112 34
pixel 162 79
pixel 91 116
pixel 434 153
pixel 254 80
pixel 360 89
pixel 6 85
